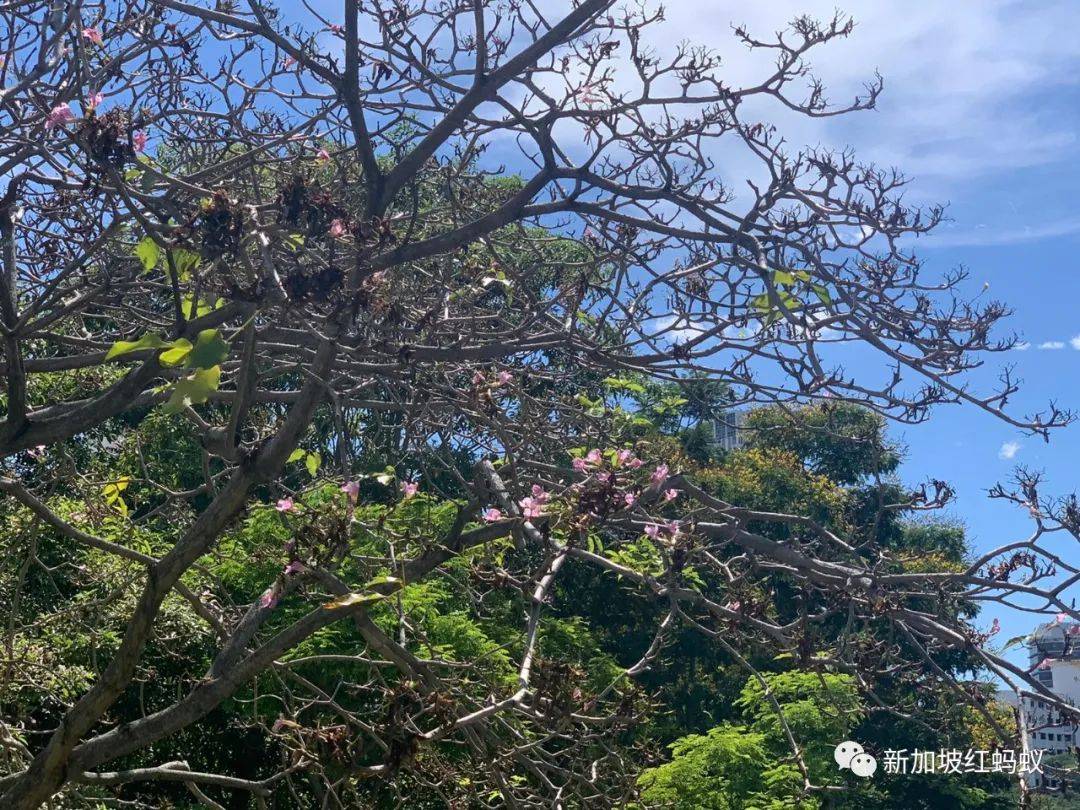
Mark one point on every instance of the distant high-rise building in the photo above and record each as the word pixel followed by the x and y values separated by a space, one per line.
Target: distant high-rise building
pixel 729 432
pixel 1054 661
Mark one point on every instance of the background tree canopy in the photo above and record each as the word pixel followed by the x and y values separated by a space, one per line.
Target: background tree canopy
pixel 360 376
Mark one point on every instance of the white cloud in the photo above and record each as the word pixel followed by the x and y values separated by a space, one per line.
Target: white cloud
pixel 1075 342
pixel 960 79
pixel 1022 346
pixel 1009 450
pixel 1052 344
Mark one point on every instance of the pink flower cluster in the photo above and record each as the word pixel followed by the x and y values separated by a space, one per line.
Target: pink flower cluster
pixel 533 506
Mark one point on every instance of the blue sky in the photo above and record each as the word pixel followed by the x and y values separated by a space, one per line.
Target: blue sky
pixel 982 110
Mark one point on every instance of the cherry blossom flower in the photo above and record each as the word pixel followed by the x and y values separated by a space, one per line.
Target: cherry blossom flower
pixel 995 628
pixel 491 515
pixel 322 156
pixel 1061 617
pixel 594 456
pixel 269 599
pixel 635 463
pixel 295 567
pixel 409 488
pixel 352 489
pixel 673 528
pixel 629 498
pixel 60 115
pixel 652 530
pixel 478 378
pixel 623 457
pixel 671 494
pixel 580 464
pixel 603 477
pixel 736 606
pixel 95 100
pixel 540 494
pixel 287 62
pixel 138 140
pixel 530 507
pixel 338 229
pixel 91 34
pixel 659 475
pixel 504 378
pixel 285 505
pixel 589 94
pixel 334 27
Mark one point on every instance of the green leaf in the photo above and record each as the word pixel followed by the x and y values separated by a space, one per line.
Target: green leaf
pixel 112 493
pixel 176 355
pixel 209 350
pixel 194 390
pixel 148 252
pixel 296 455
pixel 184 261
pixel 205 306
pixel 1012 642
pixel 354 599
pixel 147 341
pixel 624 384
pixel 822 293
pixel 313 462
pixel 783 278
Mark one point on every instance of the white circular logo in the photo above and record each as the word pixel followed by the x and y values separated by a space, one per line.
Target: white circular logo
pixel 863 765
pixel 845 752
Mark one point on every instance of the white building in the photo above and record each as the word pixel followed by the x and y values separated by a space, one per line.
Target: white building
pixel 1054 659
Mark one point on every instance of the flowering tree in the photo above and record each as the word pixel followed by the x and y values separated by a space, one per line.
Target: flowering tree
pixel 430 248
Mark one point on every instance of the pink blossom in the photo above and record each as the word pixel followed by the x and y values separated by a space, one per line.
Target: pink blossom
pixel 322 156
pixel 269 598
pixel 138 140
pixel 659 475
pixel 995 628
pixel 504 378
pixel 36 452
pixel 589 95
pixel 334 27
pixel 671 494
pixel 1061 617
pixel 629 498
pixel 478 378
pixel 603 477
pixel 93 35
pixel 285 505
pixel 635 463
pixel 295 567
pixel 652 530
pixel 580 464
pixel 492 514
pixel 673 528
pixel 95 100
pixel 594 456
pixel 736 606
pixel 539 494
pixel 352 489
pixel 409 488
pixel 287 62
pixel 530 507
pixel 623 456
pixel 60 115
pixel 338 229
